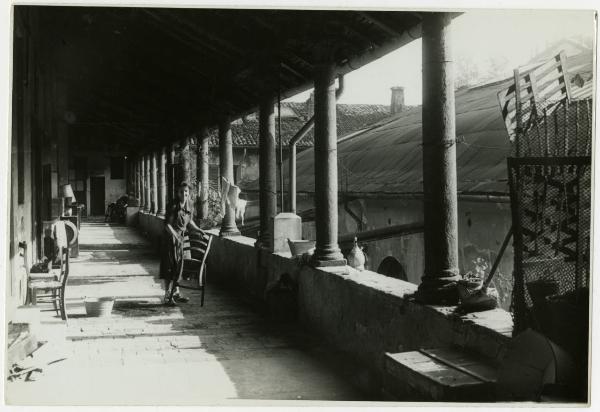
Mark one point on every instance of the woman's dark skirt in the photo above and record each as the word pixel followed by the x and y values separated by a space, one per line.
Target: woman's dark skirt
pixel 171 257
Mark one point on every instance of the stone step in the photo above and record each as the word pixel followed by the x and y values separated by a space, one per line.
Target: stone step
pixel 443 375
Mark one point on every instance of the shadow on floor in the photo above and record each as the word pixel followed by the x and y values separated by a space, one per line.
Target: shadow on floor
pixel 259 358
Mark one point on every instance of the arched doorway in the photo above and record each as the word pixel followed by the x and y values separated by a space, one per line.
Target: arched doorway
pixel 390 266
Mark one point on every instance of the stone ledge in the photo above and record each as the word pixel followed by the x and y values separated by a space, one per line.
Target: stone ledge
pixel 486 332
pixel 496 320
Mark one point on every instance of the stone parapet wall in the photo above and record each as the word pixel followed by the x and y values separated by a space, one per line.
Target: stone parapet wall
pixel 363 314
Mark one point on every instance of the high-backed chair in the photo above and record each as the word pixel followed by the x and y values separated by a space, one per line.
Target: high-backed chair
pixel 193 270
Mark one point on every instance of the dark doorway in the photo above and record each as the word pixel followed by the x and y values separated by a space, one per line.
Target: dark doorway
pixel 97 196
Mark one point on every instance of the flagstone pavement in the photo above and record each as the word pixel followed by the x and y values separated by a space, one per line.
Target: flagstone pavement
pixel 150 354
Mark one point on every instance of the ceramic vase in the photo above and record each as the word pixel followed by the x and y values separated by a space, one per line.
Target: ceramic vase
pixel 356 257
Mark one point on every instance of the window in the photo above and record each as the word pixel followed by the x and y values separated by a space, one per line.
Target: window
pixel 117 168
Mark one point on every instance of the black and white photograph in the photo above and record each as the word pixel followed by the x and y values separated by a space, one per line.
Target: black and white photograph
pixel 298 204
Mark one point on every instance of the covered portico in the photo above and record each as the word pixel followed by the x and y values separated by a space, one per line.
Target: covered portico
pixel 151 81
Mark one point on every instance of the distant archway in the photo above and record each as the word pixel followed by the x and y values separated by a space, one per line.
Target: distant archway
pixel 390 266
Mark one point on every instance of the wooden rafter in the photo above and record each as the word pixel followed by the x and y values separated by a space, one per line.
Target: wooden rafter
pixel 381 25
pixel 140 72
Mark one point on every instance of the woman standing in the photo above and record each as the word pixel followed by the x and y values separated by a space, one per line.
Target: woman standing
pixel 178 218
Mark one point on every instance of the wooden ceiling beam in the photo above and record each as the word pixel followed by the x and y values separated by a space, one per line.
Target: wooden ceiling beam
pixel 301 60
pixel 174 31
pixel 271 28
pixel 149 109
pixel 378 23
pixel 198 31
pixel 294 72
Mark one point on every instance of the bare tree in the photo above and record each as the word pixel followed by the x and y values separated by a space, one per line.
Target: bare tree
pixel 469 73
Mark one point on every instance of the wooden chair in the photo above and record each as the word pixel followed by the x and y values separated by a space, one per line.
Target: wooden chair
pixel 193 270
pixel 50 275
pixel 56 286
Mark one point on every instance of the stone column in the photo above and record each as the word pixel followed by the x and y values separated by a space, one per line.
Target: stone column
pixel 438 284
pixel 202 163
pixel 147 192
pixel 154 182
pixel 170 174
pixel 137 180
pixel 185 160
pixel 162 182
pixel 327 251
pixel 127 170
pixel 142 183
pixel 228 226
pixel 267 170
pixel 142 166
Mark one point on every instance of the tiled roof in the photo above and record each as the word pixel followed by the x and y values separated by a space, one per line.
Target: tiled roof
pixel 350 118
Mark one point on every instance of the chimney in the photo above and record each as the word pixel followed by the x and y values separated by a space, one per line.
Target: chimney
pixel 397 104
pixel 310 105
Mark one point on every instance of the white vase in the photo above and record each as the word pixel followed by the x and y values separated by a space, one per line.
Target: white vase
pixel 356 257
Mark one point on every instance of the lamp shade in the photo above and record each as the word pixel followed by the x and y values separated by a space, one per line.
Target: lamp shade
pixel 67 191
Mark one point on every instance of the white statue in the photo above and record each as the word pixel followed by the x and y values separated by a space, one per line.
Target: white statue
pixel 230 196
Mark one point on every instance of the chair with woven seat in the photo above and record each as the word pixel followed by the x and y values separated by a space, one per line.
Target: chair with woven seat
pixel 193 271
pixel 55 285
pixel 49 275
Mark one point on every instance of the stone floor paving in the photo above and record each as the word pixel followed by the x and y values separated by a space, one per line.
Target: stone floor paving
pixel 150 354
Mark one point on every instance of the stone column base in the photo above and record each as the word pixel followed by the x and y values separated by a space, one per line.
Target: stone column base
pixel 228 233
pixel 437 293
pixel 333 266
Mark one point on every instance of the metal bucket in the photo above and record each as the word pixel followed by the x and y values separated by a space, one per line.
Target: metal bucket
pixel 99 307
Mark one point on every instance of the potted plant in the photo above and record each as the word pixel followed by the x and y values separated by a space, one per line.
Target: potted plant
pixel 472 281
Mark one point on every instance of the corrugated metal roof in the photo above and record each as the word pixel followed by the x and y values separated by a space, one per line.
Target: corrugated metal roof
pixel 387 158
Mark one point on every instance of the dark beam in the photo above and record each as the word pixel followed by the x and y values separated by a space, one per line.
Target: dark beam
pixel 378 23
